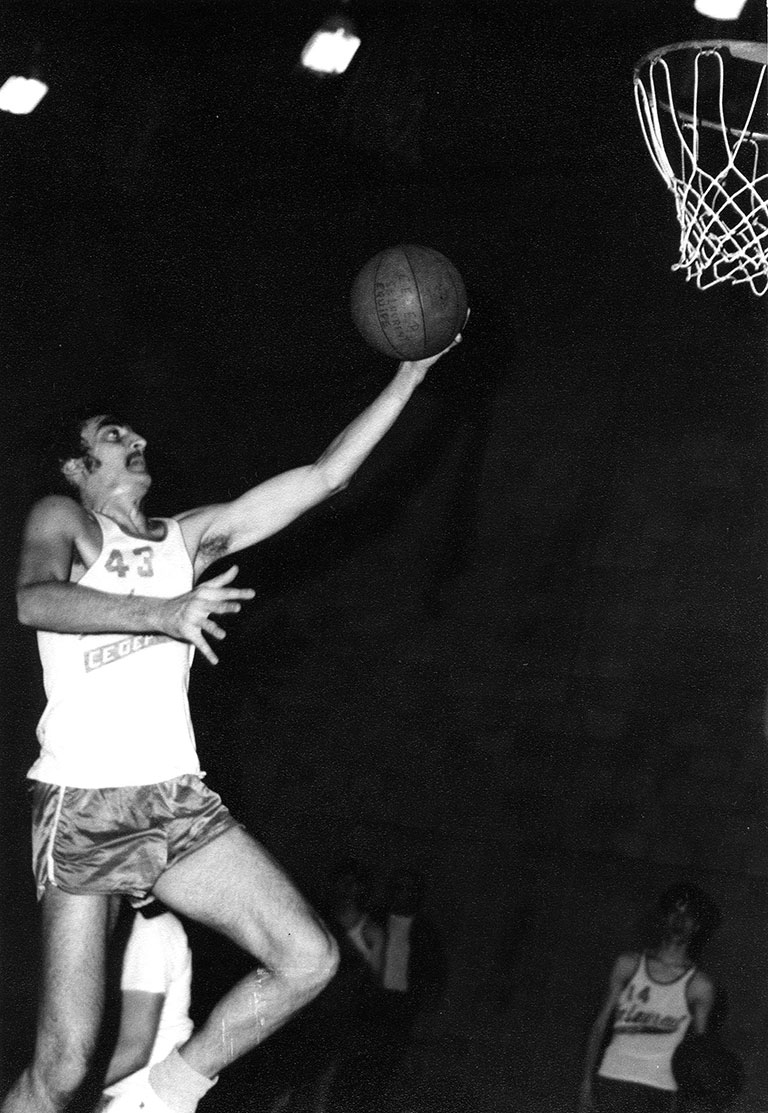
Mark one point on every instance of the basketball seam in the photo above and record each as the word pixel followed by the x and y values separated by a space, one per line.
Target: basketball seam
pixel 421 303
pixel 378 319
pixel 457 298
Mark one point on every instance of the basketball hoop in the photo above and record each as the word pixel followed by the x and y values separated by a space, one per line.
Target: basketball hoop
pixel 702 108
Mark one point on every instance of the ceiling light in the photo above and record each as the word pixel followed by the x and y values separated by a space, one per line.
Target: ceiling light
pixel 720 9
pixel 21 95
pixel 332 47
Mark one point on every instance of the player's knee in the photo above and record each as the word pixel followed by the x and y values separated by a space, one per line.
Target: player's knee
pixel 317 960
pixel 328 960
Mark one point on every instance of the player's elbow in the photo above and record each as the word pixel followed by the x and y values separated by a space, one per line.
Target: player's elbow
pixel 25 611
pixel 332 480
pixel 336 468
pixel 339 484
pixel 33 608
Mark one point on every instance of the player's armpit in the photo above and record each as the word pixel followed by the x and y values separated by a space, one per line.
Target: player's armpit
pixel 219 530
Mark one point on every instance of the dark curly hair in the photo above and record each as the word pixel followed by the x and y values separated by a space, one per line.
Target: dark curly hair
pixel 64 440
pixel 698 903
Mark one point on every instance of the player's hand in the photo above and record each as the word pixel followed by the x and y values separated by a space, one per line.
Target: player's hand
pixel 187 617
pixel 419 367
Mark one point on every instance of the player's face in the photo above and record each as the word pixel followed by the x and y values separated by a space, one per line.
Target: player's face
pixel 115 452
pixel 682 922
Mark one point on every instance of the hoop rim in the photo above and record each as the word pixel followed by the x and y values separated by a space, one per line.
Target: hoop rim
pixel 744 49
pixel 754 53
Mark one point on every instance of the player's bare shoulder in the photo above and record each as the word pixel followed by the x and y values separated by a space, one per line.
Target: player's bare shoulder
pixel 59 514
pixel 625 966
pixel 58 532
pixel 701 987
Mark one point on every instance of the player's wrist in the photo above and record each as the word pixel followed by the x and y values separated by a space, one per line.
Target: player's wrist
pixel 163 616
pixel 409 374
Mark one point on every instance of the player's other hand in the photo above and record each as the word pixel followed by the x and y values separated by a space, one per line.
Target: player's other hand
pixel 419 367
pixel 188 617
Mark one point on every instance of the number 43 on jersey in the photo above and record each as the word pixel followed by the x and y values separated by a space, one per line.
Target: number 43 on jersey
pixel 138 560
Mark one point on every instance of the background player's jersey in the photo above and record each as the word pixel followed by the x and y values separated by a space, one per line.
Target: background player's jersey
pixel 651 1019
pixel 158 960
pixel 117 711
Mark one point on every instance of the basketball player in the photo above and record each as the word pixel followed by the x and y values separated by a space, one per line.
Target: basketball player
pixel 119 806
pixel 653 998
pixel 155 998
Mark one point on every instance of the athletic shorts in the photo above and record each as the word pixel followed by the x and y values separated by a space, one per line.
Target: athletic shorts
pixel 120 840
pixel 612 1096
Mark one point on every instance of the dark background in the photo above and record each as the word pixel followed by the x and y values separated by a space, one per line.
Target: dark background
pixel 524 650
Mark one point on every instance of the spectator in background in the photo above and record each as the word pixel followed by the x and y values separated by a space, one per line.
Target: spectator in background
pixel 336 1032
pixel 356 1036
pixel 350 912
pixel 412 981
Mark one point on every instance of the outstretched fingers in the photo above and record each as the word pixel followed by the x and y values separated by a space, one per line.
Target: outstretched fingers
pixel 211 630
pixel 192 620
pixel 202 645
pixel 216 588
pixel 224 577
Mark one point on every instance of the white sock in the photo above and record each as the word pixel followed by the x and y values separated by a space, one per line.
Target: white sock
pixel 177 1084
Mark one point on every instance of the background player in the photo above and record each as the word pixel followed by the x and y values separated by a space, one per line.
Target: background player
pixel 155 998
pixel 653 998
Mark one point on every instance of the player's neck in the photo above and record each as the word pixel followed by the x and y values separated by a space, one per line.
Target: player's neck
pixel 673 954
pixel 125 508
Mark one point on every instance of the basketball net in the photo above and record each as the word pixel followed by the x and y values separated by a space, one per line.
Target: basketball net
pixel 702 108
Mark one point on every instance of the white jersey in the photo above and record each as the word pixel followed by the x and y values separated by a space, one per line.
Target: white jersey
pixel 117 711
pixel 158 960
pixel 651 1019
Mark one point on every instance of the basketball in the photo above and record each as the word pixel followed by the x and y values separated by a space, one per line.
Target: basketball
pixel 707 1072
pixel 408 302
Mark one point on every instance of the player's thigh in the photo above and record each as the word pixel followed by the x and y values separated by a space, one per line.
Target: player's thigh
pixel 232 884
pixel 74 937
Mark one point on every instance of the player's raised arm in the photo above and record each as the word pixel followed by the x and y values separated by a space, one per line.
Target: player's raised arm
pixel 215 531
